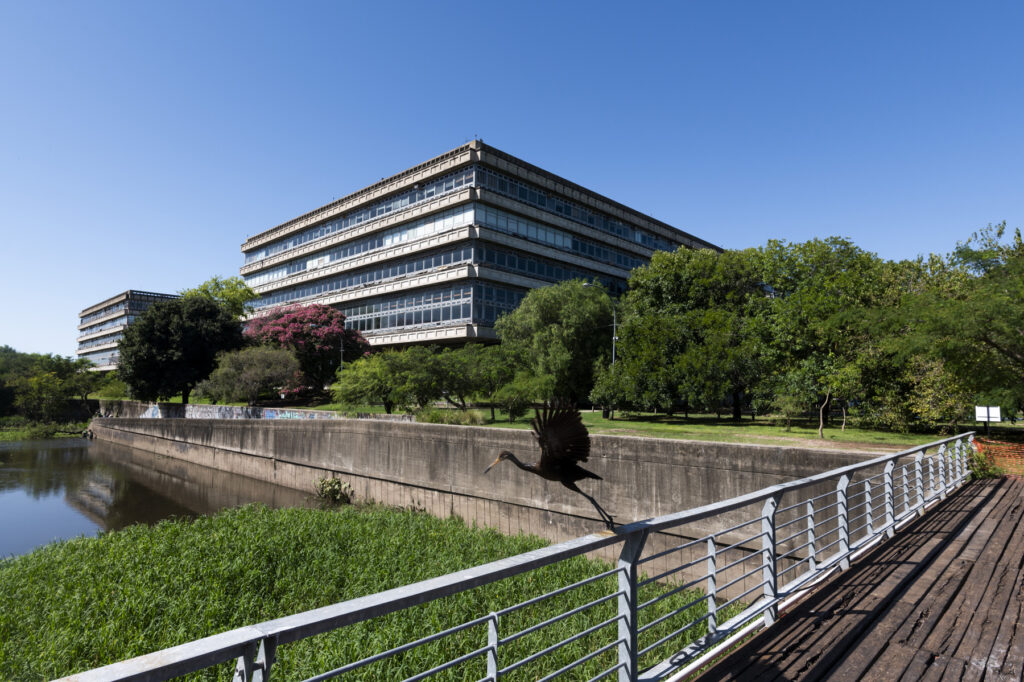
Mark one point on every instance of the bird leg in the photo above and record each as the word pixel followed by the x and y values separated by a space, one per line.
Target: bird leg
pixel 605 516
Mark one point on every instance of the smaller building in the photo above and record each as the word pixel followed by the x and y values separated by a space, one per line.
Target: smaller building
pixel 102 325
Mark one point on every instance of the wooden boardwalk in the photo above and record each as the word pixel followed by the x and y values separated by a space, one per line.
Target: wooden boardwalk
pixel 943 600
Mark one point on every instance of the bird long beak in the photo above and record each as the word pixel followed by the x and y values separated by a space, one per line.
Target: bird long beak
pixel 492 465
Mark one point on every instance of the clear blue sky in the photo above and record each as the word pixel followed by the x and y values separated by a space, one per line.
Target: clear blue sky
pixel 141 142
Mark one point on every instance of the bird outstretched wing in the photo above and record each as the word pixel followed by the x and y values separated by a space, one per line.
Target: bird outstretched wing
pixel 562 437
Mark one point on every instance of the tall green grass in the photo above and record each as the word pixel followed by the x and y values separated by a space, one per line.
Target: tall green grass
pixel 87 602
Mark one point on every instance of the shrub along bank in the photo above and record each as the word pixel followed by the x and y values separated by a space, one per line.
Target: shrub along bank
pixel 83 603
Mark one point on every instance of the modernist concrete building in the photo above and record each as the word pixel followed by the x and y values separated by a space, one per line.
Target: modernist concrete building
pixel 102 325
pixel 436 253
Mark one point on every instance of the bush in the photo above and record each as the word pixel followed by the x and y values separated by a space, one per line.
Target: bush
pixel 41 431
pixel 333 490
pixel 432 415
pixel 982 464
pixel 113 388
pixel 14 422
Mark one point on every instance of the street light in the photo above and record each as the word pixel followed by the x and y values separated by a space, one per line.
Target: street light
pixel 615 318
pixel 615 337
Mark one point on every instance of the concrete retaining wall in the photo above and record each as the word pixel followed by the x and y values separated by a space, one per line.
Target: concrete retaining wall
pixel 439 468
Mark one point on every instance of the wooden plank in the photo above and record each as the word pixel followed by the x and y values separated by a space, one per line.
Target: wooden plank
pixel 874 645
pixel 969 610
pixel 919 662
pixel 979 640
pixel 812 635
pixel 943 668
pixel 872 608
pixel 834 618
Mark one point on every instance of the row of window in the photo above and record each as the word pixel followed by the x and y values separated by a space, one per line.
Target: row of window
pixel 528 229
pixel 527 193
pixel 425 227
pixel 444 185
pixel 103 312
pixel 481 303
pixel 351 280
pixel 109 324
pixel 102 358
pixel 540 268
pixel 419 299
pixel 100 341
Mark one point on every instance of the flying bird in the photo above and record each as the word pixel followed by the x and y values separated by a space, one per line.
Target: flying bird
pixel 564 442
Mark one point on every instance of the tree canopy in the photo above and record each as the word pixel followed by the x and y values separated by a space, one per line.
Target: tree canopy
pixel 314 333
pixel 231 292
pixel 247 373
pixel 173 346
pixel 556 336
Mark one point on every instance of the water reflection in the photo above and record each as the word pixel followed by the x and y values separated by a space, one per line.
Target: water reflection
pixel 61 489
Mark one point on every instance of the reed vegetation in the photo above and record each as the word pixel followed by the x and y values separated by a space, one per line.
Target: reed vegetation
pixel 86 602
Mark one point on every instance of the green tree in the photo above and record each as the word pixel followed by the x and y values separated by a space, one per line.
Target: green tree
pixel 556 335
pixel 373 379
pixel 418 370
pixel 41 397
pixel 493 369
pixel 231 292
pixel 173 346
pixel 247 373
pixel 691 332
pixel 821 290
pixel 977 331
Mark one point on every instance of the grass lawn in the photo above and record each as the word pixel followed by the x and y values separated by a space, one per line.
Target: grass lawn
pixel 762 430
pixel 707 427
pixel 86 602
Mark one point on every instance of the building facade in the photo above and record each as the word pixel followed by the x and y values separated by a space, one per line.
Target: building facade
pixel 102 325
pixel 436 253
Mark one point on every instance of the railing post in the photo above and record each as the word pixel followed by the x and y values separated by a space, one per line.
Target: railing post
pixel 890 502
pixel 812 560
pixel 628 557
pixel 712 605
pixel 961 461
pixel 942 464
pixel 769 570
pixel 869 523
pixel 492 647
pixel 254 665
pixel 906 490
pixel 920 485
pixel 968 453
pixel 931 479
pixel 842 522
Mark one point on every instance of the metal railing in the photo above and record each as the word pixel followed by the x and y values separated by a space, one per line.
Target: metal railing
pixel 704 592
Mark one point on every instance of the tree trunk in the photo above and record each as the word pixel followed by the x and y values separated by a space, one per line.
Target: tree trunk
pixel 387 406
pixel 737 408
pixel 185 393
pixel 844 415
pixel 821 414
pixel 492 413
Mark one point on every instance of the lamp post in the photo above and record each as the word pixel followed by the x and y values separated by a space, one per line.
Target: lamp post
pixel 615 332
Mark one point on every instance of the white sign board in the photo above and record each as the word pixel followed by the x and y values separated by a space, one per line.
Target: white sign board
pixel 986 414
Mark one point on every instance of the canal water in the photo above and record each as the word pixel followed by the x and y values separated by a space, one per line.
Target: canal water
pixel 59 489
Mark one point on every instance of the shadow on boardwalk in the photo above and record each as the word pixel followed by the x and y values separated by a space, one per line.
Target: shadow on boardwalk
pixel 943 600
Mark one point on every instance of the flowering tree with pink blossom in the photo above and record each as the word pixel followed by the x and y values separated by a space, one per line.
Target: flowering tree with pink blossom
pixel 313 333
